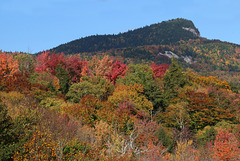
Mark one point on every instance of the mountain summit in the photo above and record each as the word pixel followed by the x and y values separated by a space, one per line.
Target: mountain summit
pixel 166 32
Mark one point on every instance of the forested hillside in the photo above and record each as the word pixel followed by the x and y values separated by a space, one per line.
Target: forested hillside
pixel 84 107
pixel 158 43
pixel 166 32
pixel 207 57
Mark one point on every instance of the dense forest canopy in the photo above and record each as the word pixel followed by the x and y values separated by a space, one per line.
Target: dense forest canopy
pixel 160 92
pixel 58 107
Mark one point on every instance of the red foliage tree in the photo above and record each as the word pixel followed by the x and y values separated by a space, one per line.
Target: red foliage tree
pixel 159 70
pixel 48 63
pixel 52 62
pixel 41 60
pixel 76 68
pixel 118 69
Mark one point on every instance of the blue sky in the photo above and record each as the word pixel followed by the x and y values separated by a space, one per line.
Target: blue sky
pixel 37 25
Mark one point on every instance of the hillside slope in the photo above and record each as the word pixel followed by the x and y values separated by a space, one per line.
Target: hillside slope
pixel 158 43
pixel 166 32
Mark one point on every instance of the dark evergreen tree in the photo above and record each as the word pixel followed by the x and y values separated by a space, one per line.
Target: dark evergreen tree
pixel 13 133
pixel 155 95
pixel 165 139
pixel 64 78
pixel 235 88
pixel 6 134
pixel 51 87
pixel 174 79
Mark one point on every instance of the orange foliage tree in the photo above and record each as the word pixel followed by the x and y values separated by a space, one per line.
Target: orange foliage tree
pixel 8 67
pixel 101 67
pixel 226 146
pixel 203 110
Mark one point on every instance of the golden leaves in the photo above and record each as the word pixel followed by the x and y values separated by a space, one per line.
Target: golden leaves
pixel 131 93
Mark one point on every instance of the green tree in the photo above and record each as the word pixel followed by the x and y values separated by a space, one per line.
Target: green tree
pixel 80 90
pixel 13 133
pixel 143 74
pixel 97 87
pixel 173 80
pixel 63 77
pixel 154 94
pixel 206 135
pixel 26 63
pixel 140 74
pixel 6 134
pixel 165 139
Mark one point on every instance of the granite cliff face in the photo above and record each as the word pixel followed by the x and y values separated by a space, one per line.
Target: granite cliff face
pixel 192 30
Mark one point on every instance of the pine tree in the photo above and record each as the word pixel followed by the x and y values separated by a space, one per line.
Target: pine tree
pixel 6 134
pixel 63 77
pixel 174 79
pixel 155 95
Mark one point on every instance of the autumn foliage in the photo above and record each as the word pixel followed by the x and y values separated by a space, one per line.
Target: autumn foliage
pixel 8 68
pixel 118 69
pixel 159 70
pixel 226 146
pixel 71 107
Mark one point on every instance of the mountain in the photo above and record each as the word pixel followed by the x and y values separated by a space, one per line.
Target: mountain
pixel 158 43
pixel 166 32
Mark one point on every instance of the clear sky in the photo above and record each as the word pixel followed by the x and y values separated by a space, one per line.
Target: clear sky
pixel 37 25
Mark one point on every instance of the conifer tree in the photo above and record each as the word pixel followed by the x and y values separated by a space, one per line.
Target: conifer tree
pixel 63 77
pixel 174 79
pixel 6 134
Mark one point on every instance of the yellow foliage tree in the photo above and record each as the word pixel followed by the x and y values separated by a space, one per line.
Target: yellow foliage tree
pixel 184 151
pixel 56 83
pixel 207 81
pixel 177 112
pixel 39 147
pixel 132 93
